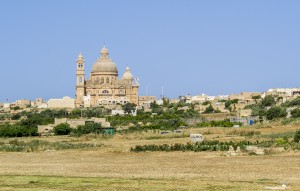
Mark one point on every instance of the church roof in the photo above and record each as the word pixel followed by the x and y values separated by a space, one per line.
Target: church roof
pixel 104 63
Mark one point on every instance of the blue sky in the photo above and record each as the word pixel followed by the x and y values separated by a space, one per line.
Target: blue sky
pixel 188 47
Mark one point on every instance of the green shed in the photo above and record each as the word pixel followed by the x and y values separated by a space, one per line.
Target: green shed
pixel 108 130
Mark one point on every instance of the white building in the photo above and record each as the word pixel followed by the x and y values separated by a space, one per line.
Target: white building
pixel 65 102
pixel 289 92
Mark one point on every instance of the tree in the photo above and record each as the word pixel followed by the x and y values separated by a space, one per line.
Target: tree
pixel 268 101
pixel 297 136
pixel 209 109
pixel 129 107
pixel 16 117
pixel 62 129
pixel 166 102
pixel 229 102
pixel 16 108
pixel 295 113
pixel 294 102
pixel 256 97
pixel 206 103
pixel 275 112
pixel 87 128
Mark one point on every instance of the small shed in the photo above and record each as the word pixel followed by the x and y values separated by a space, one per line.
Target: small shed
pixel 108 130
pixel 196 138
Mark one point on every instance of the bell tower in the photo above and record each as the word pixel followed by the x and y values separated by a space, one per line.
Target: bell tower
pixel 80 81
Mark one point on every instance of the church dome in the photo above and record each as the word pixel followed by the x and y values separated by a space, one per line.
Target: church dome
pixel 104 63
pixel 127 75
pixel 104 66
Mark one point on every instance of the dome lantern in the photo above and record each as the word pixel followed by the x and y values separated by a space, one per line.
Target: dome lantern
pixel 104 53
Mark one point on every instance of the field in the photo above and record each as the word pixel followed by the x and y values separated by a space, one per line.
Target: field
pixel 113 167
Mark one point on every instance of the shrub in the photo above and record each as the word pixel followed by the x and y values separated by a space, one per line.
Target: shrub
pixel 39 145
pixel 209 109
pixel 229 102
pixel 16 117
pixel 7 130
pixel 206 103
pixel 275 112
pixel 268 101
pixel 297 136
pixel 295 113
pixel 62 129
pixel 295 102
pixel 224 123
pixel 280 141
pixel 196 147
pixel 86 129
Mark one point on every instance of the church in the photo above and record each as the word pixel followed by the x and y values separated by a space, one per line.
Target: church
pixel 104 88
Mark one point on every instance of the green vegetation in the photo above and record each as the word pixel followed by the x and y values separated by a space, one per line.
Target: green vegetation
pixel 16 108
pixel 16 117
pixel 196 147
pixel 215 146
pixel 168 116
pixel 206 103
pixel 268 101
pixel 295 113
pixel 275 113
pixel 292 103
pixel 210 109
pixel 285 135
pixel 164 121
pixel 243 132
pixel 28 125
pixel 224 123
pixel 256 97
pixel 267 107
pixel 67 183
pixel 62 129
pixel 297 136
pixel 65 129
pixel 8 130
pixel 128 107
pixel 87 129
pixel 38 145
pixel 228 104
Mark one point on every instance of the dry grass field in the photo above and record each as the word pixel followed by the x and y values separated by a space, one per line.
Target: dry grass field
pixel 114 167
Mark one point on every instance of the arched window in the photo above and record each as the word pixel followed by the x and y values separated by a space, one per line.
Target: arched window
pixel 102 80
pixel 107 80
pixel 80 80
pixel 105 92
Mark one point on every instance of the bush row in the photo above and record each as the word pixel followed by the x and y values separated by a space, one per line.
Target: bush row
pixel 224 123
pixel 217 146
pixel 8 130
pixel 39 145
pixel 65 129
pixel 196 147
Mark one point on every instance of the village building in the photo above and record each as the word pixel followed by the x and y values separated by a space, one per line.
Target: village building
pixel 65 102
pixel 145 101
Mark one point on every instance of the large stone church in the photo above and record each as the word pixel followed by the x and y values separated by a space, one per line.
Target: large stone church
pixel 104 87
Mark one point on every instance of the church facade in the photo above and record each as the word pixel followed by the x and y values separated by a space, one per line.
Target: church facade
pixel 104 86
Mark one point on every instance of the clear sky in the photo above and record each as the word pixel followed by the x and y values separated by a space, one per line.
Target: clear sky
pixel 188 47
